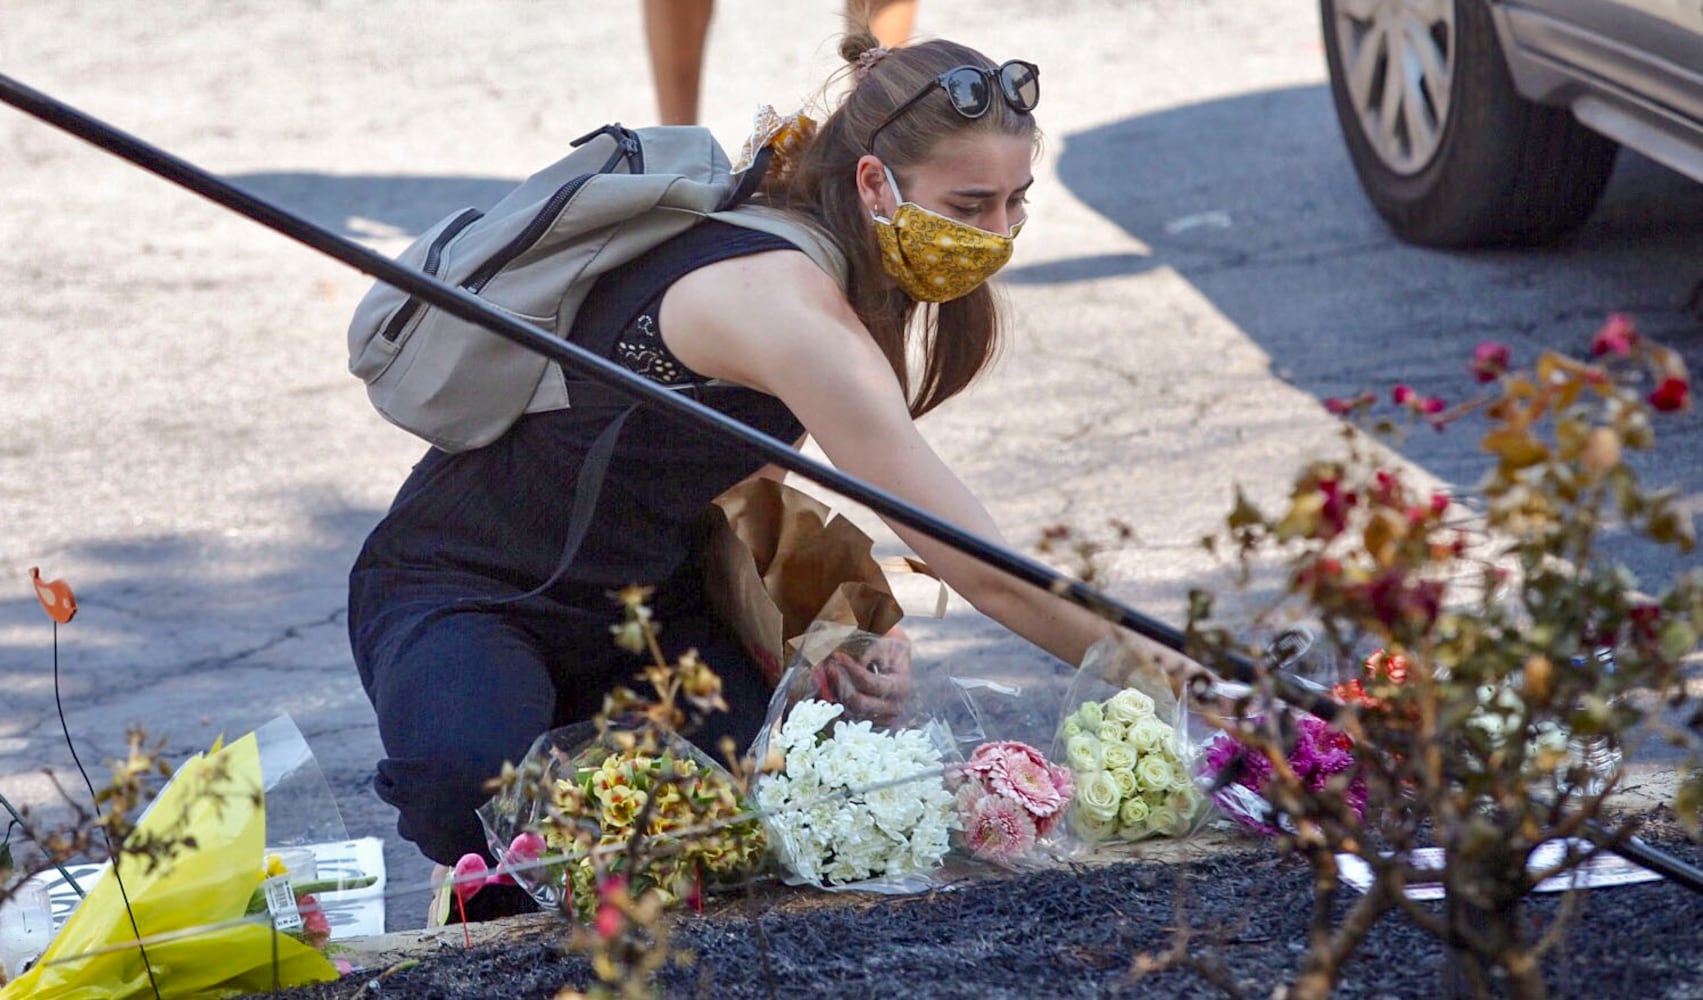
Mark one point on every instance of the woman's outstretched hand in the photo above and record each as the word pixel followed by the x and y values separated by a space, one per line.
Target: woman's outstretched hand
pixel 875 684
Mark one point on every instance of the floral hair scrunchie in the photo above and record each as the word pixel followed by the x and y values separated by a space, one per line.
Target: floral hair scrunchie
pixel 786 136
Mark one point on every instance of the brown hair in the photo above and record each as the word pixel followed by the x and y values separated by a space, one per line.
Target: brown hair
pixel 961 337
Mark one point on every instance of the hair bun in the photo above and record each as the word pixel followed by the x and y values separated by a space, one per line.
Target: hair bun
pixel 863 51
pixel 856 43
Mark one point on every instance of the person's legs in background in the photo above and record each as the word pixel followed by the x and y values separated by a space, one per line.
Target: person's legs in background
pixel 890 21
pixel 676 32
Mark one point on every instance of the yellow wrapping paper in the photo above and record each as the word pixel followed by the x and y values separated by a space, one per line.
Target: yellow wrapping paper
pixel 217 800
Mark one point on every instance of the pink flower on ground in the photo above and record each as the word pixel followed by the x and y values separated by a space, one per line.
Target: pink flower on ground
pixel 1489 360
pixel 997 829
pixel 1671 394
pixel 1616 337
pixel 1024 779
pixel 471 874
pixel 316 929
pixel 526 847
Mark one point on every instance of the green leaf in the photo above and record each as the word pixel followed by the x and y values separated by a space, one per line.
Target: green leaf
pixel 1678 639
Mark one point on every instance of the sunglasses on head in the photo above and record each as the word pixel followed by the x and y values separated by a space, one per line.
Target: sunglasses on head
pixel 971 89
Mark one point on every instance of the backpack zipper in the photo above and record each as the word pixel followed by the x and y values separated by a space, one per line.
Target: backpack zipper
pixel 626 147
pixel 434 258
pixel 546 216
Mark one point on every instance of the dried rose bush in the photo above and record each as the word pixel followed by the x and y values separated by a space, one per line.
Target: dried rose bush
pixel 1508 612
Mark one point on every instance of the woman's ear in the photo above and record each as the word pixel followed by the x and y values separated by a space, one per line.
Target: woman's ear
pixel 872 186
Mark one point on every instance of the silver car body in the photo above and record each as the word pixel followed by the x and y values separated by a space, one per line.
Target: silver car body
pixel 1631 70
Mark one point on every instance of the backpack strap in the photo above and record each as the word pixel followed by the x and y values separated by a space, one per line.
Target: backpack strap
pixel 750 180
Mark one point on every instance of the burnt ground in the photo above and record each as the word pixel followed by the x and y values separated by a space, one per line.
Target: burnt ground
pixel 1076 933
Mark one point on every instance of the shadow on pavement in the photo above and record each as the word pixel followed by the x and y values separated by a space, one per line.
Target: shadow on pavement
pixel 362 206
pixel 1252 198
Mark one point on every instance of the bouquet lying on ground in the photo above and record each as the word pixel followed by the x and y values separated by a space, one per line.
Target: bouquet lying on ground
pixel 646 805
pixel 851 802
pixel 1009 798
pixel 1238 775
pixel 1132 768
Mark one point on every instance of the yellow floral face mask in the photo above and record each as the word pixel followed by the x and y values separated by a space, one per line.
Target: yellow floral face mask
pixel 934 258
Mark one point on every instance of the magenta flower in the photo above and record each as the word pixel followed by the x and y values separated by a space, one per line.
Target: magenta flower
pixel 1490 360
pixel 1402 395
pixel 471 874
pixel 1616 337
pixel 1320 753
pixel 998 829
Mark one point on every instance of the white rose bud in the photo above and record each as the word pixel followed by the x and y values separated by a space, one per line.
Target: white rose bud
pixel 1153 773
pixel 1134 813
pixel 1098 795
pixel 1072 727
pixel 1090 828
pixel 1125 777
pixel 1091 714
pixel 1112 731
pixel 1118 756
pixel 1082 753
pixel 1129 705
pixel 1164 821
pixel 1149 735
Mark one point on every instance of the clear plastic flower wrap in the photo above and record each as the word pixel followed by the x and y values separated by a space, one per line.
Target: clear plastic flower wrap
pixel 636 802
pixel 851 768
pixel 1124 736
pixel 1011 798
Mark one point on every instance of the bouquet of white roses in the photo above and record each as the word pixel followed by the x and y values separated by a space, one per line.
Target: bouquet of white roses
pixel 1128 752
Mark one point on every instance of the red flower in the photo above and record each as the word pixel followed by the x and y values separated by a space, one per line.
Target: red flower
pixel 316 929
pixel 1489 360
pixel 1339 406
pixel 1432 405
pixel 1671 394
pixel 608 921
pixel 1616 337
pixel 1354 693
pixel 1393 666
pixel 1402 395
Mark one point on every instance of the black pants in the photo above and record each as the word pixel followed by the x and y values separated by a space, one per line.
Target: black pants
pixel 459 692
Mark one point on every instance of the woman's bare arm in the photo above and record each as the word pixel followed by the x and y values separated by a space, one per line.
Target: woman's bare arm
pixel 806 346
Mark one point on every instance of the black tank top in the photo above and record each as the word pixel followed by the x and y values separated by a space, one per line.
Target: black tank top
pixel 495 520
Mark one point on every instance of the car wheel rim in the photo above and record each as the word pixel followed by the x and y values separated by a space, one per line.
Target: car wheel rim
pixel 1398 67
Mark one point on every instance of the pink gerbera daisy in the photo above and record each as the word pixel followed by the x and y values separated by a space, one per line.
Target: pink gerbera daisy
pixel 1026 780
pixel 997 829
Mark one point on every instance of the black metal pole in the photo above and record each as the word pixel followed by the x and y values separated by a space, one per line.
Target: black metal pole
pixel 467 306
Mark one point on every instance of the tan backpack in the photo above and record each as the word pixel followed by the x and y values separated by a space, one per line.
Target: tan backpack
pixel 536 254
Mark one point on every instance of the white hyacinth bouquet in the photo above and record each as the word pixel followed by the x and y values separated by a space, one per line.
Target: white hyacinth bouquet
pixel 843 801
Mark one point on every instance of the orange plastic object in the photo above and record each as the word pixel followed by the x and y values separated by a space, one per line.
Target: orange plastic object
pixel 55 597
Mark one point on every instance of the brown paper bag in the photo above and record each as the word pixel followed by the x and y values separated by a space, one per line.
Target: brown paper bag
pixel 777 561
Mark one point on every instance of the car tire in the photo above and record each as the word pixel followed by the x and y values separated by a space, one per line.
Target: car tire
pixel 1484 166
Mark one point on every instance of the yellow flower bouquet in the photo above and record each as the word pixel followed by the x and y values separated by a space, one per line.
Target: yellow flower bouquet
pixel 638 804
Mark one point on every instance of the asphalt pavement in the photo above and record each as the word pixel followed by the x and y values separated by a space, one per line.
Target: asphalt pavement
pixel 181 441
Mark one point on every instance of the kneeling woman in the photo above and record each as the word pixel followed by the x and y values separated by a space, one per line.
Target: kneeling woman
pixel 473 635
